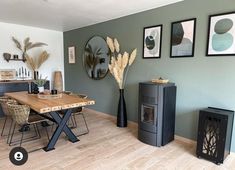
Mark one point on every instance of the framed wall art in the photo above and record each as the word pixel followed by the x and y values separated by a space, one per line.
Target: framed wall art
pixel 221 35
pixel 71 54
pixel 152 42
pixel 183 38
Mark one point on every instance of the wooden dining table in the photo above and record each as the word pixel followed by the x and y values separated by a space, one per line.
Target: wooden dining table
pixel 53 107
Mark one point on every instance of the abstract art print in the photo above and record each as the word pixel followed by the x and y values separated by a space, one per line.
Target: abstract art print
pixel 152 42
pixel 71 54
pixel 221 35
pixel 183 38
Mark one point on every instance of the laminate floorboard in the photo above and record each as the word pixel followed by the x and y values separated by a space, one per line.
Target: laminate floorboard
pixel 108 147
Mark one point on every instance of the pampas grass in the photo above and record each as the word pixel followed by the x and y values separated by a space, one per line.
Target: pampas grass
pixel 110 44
pixel 120 64
pixel 27 44
pixel 116 45
pixel 35 63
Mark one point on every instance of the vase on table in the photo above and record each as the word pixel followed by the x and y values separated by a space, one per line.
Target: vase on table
pixel 121 115
pixel 35 75
pixel 41 89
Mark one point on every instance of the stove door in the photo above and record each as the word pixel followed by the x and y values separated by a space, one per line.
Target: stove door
pixel 148 117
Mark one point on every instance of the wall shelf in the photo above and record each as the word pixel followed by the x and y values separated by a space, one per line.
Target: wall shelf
pixel 7 57
pixel 15 59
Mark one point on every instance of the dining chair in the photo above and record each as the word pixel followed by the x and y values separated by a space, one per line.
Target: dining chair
pixel 22 116
pixel 77 112
pixel 7 116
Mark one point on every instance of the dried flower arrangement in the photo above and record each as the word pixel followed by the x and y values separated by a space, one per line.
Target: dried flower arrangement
pixel 33 63
pixel 27 45
pixel 120 63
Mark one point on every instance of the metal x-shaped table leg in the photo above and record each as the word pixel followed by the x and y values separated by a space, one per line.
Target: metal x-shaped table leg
pixel 62 127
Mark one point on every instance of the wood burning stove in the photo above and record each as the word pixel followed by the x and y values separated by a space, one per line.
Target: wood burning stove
pixel 156 113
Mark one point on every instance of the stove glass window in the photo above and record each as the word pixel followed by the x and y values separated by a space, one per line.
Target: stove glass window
pixel 147 114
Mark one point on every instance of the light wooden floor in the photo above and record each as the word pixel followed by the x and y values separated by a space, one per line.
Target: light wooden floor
pixel 107 147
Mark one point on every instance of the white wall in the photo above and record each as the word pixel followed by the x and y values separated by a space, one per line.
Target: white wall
pixel 54 39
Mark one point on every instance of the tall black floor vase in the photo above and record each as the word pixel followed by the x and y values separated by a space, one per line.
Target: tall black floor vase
pixel 121 116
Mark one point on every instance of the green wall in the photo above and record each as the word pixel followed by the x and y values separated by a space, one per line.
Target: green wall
pixel 201 81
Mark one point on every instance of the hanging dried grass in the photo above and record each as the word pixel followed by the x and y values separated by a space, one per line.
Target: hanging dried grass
pixel 27 45
pixel 18 45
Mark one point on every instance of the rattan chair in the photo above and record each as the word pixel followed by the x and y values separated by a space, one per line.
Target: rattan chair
pixel 21 116
pixel 3 103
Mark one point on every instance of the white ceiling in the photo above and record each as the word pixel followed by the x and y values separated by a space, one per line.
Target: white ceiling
pixel 64 15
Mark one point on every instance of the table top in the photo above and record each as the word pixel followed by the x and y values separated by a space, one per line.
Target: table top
pixel 48 105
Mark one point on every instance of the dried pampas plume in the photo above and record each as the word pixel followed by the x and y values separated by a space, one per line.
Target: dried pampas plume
pixel 42 58
pixel 132 57
pixel 110 44
pixel 120 64
pixel 34 63
pixel 116 45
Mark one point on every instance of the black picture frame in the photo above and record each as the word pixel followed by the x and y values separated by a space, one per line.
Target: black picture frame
pixel 183 38
pixel 221 34
pixel 152 41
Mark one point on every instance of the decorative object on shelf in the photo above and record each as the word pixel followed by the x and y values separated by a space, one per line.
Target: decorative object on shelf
pixel 35 63
pixel 160 80
pixel 214 134
pixel 58 81
pixel 15 57
pixel 7 56
pixel 152 42
pixel 7 74
pixel 23 74
pixel 183 38
pixel 96 58
pixel 221 35
pixel 119 68
pixel 40 83
pixel 71 54
pixel 27 46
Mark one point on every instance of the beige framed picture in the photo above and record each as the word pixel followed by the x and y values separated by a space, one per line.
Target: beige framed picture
pixel 7 74
pixel 71 54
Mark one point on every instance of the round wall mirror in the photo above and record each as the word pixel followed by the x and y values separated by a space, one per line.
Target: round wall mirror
pixel 96 58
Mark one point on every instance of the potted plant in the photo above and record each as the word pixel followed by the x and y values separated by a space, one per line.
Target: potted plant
pixel 40 83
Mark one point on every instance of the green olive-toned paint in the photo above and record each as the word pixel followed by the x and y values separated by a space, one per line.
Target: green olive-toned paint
pixel 201 81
